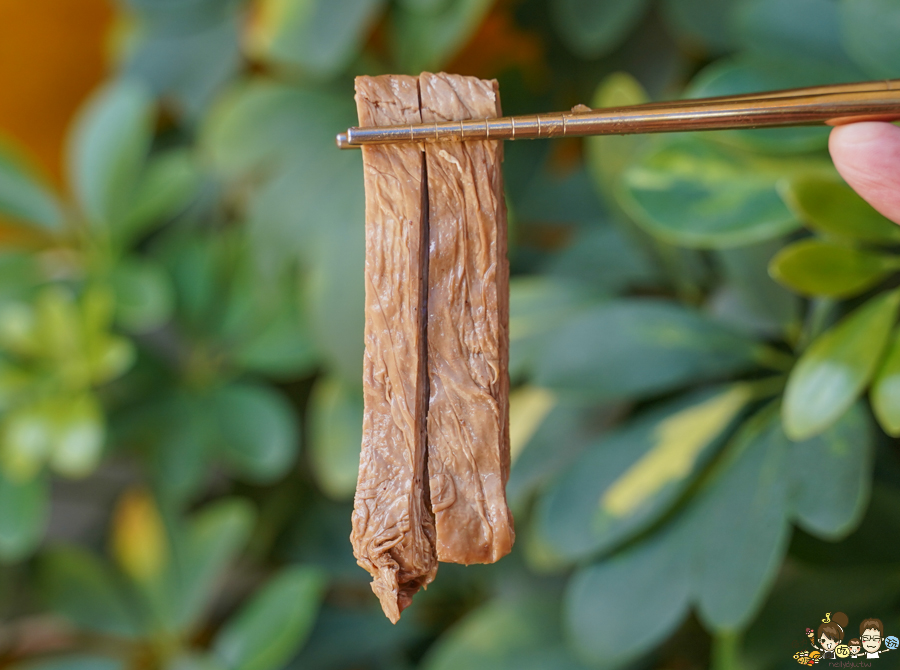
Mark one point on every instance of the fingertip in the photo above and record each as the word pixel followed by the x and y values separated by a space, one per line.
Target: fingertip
pixel 867 156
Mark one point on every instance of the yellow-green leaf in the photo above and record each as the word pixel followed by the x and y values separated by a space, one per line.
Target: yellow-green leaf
pixel 818 268
pixel 835 369
pixel 528 407
pixel 335 415
pixel 829 206
pixel 608 155
pixel 25 442
pixel 139 542
pixel 18 329
pixel 679 440
pixel 885 392
pixel 632 476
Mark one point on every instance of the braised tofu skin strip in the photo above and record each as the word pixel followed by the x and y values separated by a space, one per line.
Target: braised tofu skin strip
pixel 435 450
pixel 393 533
pixel 468 328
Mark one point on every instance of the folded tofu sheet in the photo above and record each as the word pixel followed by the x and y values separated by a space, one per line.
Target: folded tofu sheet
pixel 435 448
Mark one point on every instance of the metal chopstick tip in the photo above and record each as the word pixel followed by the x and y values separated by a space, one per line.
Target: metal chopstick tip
pixel 343 141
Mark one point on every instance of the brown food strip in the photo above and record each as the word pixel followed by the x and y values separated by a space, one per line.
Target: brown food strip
pixel 468 328
pixel 393 528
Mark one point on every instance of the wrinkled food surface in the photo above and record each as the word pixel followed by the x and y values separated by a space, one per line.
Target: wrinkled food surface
pixel 392 525
pixel 468 331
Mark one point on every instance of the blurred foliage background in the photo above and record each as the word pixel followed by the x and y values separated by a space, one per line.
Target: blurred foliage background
pixel 705 358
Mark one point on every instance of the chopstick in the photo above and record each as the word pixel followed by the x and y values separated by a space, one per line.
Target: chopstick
pixel 829 105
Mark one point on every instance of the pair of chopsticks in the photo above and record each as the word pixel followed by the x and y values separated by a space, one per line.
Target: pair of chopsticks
pixel 830 105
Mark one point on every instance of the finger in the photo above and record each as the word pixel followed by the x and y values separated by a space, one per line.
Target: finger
pixel 868 157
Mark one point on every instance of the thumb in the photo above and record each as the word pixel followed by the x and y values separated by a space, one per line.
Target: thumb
pixel 867 155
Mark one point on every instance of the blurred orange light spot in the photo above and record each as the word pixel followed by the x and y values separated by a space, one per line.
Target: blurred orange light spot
pixel 498 45
pixel 52 53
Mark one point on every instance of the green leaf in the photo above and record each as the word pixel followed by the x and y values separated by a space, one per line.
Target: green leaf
pixel 318 36
pixel 194 267
pixel 167 184
pixel 564 430
pixel 740 524
pixel 794 30
pixel 335 415
pixel 752 73
pixel 608 155
pixel 185 52
pixel 594 29
pixel 814 267
pixel 257 430
pixel 145 297
pixel 869 31
pixel 20 272
pixel 108 148
pixel 605 259
pixel 310 208
pixel 375 642
pixel 283 347
pixel 213 538
pixel 832 475
pixel 24 508
pixel 180 436
pixel 636 348
pixel 79 587
pixel 835 369
pixel 251 128
pixel 724 551
pixel 337 301
pixel 536 305
pixel 549 199
pixel 24 199
pixel 885 392
pixel 269 629
pixel 829 206
pixel 694 192
pixel 762 305
pixel 426 38
pixel 700 25
pixel 618 609
pixel 511 635
pixel 633 476
pixel 313 191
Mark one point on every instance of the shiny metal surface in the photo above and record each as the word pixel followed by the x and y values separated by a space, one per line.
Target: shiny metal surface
pixel 830 105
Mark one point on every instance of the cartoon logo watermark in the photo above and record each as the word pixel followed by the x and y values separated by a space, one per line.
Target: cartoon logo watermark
pixel 828 642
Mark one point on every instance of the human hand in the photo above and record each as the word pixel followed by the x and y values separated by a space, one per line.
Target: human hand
pixel 867 155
